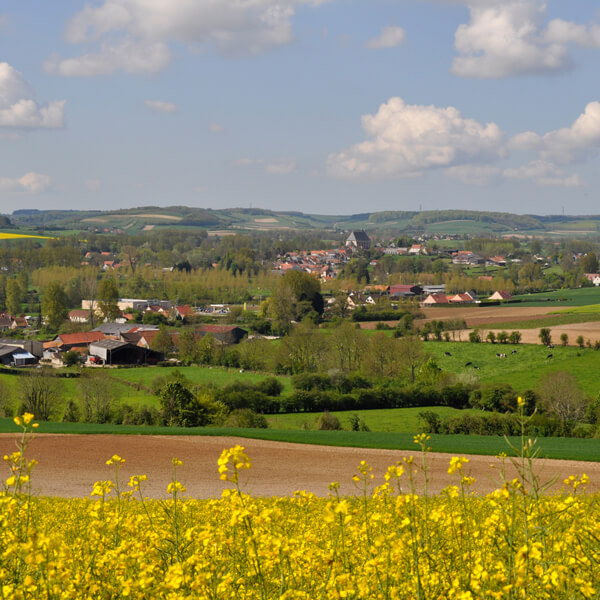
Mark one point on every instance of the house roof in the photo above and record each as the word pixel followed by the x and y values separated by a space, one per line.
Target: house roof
pixel 217 328
pixel 112 328
pixel 437 298
pixel 110 344
pixel 505 295
pixel 7 350
pixel 79 313
pixel 75 339
pixel 184 310
pixel 358 236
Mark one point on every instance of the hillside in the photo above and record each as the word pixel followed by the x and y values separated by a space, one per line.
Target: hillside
pixel 135 220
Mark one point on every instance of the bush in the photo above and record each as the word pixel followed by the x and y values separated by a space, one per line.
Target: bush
pixel 328 422
pixel 246 418
pixel 271 386
pixel 357 423
pixel 311 381
pixel 71 358
pixel 432 421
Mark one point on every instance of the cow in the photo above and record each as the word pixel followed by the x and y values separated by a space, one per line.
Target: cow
pixel 550 346
pixel 468 364
pixel 549 356
pixel 476 367
pixel 447 354
pixel 514 351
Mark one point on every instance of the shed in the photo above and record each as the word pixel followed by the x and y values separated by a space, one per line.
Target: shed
pixel 23 358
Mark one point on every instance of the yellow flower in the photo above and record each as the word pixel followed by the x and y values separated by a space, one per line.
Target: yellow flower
pixel 456 464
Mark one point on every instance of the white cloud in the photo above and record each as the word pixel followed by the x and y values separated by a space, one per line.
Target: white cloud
pixel 473 174
pixel 19 109
pixel 160 106
pixel 406 140
pixel 93 185
pixel 132 56
pixel 567 145
pixel 134 35
pixel 281 167
pixel 543 173
pixel 508 37
pixel 390 37
pixel 215 128
pixel 32 183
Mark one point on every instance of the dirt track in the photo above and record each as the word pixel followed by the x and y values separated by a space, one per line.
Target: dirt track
pixel 70 464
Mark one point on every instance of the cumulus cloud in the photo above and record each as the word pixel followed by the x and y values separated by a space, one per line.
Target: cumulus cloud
pixel 281 167
pixel 134 35
pixel 18 107
pixel 543 173
pixel 31 182
pixel 406 140
pixel 390 37
pixel 160 106
pixel 510 37
pixel 567 145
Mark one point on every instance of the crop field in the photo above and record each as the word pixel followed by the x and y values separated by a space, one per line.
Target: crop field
pixel 384 528
pixel 22 236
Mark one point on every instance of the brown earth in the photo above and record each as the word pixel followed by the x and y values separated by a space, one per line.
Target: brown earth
pixel 590 331
pixel 477 317
pixel 70 464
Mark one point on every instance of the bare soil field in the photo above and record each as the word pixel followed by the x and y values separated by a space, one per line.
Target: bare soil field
pixel 477 317
pixel 589 331
pixel 70 464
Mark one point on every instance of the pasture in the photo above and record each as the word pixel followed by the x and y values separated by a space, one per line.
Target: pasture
pixel 522 370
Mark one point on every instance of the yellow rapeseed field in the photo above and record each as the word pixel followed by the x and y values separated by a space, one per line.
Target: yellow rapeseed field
pixel 383 543
pixel 18 236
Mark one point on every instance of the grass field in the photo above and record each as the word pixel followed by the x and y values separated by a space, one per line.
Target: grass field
pixel 398 420
pixel 218 375
pixel 522 370
pixel 570 297
pixel 561 448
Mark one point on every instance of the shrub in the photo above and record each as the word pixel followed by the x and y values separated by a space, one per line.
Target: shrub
pixel 246 418
pixel 328 422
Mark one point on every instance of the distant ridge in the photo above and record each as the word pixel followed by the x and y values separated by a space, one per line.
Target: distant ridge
pixel 146 218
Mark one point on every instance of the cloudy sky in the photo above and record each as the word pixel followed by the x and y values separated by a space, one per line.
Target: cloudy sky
pixel 326 106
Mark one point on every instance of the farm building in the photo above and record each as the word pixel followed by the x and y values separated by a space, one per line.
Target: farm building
pixel 226 334
pixel 500 295
pixel 114 352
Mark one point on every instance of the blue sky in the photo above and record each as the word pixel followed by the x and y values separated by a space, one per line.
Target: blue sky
pixel 324 106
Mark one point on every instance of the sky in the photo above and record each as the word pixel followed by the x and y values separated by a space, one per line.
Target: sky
pixel 319 106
